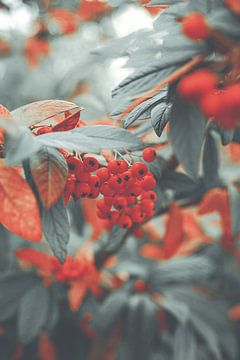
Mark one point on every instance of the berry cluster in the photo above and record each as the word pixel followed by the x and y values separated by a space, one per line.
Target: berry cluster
pixel 126 190
pixel 222 105
pixel 195 26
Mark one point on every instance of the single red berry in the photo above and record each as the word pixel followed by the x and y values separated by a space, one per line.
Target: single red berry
pixel 197 84
pixel 139 170
pixel 134 190
pixel 149 195
pixel 128 178
pixel 108 200
pixel 148 183
pixel 101 205
pixel 120 203
pixel 94 193
pixel 81 190
pixel 103 174
pixel 195 26
pixel 90 163
pixel 138 233
pixel 137 214
pixel 140 286
pixel 125 221
pixel 212 103
pixel 149 154
pixel 44 130
pixel 94 182
pixel 106 190
pixel 147 205
pixel 131 200
pixel 116 182
pixel 82 175
pixel 74 164
pixel 114 217
pixel 102 215
pixel 117 166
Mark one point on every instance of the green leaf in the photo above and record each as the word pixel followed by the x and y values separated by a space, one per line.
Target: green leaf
pixel 234 197
pixel 210 162
pixel 56 229
pixel 50 172
pixel 187 126
pixel 13 287
pixel 160 117
pixel 33 313
pixel 185 345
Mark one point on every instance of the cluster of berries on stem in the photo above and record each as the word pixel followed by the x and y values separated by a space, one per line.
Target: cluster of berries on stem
pixel 124 190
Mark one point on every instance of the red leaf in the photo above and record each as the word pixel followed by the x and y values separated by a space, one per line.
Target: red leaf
pixel 174 231
pixel 18 207
pixel 46 348
pixel 218 200
pixel 76 294
pixel 34 257
pixel 50 172
pixel 152 251
pixel 68 21
pixel 69 123
pixel 234 6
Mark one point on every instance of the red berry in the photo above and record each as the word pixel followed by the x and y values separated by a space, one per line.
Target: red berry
pixel 149 154
pixel 125 222
pixel 108 200
pixel 94 193
pixel 94 182
pixel 211 104
pixel 197 84
pixel 131 200
pixel 139 170
pixel 117 166
pixel 149 195
pixel 195 26
pixel 70 185
pixel 82 175
pixel 102 215
pixel 44 130
pixel 116 182
pixel 140 286
pixel 106 190
pixel 137 214
pixel 103 174
pixel 148 183
pixel 114 217
pixel 81 190
pixel 134 190
pixel 90 163
pixel 120 203
pixel 74 164
pixel 147 205
pixel 138 233
pixel 101 205
pixel 128 178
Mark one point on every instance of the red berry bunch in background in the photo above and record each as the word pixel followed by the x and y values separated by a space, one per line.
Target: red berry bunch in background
pixel 72 269
pixel 195 26
pixel 222 105
pixel 82 182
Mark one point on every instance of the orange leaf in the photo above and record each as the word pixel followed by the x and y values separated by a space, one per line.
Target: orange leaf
pixel 218 200
pixel 174 231
pixel 76 294
pixel 234 312
pixel 152 251
pixel 36 47
pixel 92 9
pixel 35 258
pixel 234 6
pixel 19 209
pixel 69 123
pixel 46 348
pixel 68 21
pixel 50 172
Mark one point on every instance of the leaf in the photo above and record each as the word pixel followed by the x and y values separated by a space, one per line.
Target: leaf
pixel 187 127
pixel 210 162
pixel 185 270
pixel 56 229
pixel 33 313
pixel 234 198
pixel 234 6
pixel 7 123
pixel 184 346
pixel 226 136
pixel 13 287
pixel 111 311
pixel 160 117
pixel 141 327
pixel 174 234
pixel 19 208
pixel 181 183
pixel 76 294
pixel 35 258
pixel 176 308
pixel 50 172
pixel 39 111
pixel 69 123
pixel 141 109
pixel 152 251
pixel 222 19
